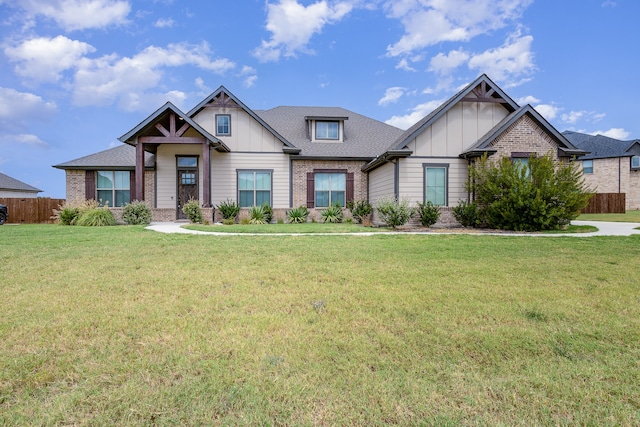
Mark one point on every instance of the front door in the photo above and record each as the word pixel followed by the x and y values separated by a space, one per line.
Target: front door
pixel 187 188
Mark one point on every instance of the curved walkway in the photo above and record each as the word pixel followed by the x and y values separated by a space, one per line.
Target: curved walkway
pixel 604 229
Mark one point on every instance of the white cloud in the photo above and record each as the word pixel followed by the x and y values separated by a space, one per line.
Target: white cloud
pixel 575 116
pixel 392 94
pixel 428 22
pixel 572 116
pixel 249 74
pixel 292 25
pixel 616 133
pixel 420 111
pixel 23 139
pixel 529 99
pixel 443 64
pixel 404 65
pixel 547 111
pixel 513 59
pixel 165 23
pixel 17 107
pixel 80 14
pixel 44 59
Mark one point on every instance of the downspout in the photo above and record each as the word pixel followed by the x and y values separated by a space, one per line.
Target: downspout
pixel 396 179
pixel 290 182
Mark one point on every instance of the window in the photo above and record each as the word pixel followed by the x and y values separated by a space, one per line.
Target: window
pixel 635 162
pixel 187 162
pixel 587 166
pixel 254 188
pixel 435 184
pixel 113 188
pixel 223 124
pixel 327 130
pixel 330 188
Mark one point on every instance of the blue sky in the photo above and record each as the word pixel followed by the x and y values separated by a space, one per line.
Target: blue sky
pixel 77 74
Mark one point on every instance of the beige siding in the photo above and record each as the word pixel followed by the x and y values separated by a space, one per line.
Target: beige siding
pixel 224 168
pixel 381 182
pixel 457 129
pixel 412 178
pixel 247 134
pixel 166 171
pixel 9 194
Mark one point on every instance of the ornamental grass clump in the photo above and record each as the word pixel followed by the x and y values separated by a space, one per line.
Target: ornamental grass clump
pixel 84 212
pixel 229 209
pixel 333 214
pixel 96 217
pixel 298 215
pixel 257 215
pixel 136 213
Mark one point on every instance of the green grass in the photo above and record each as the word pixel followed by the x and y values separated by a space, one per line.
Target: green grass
pixel 286 228
pixel 573 229
pixel 125 326
pixel 629 216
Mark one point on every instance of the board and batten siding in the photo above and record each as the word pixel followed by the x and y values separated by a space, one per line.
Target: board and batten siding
pixel 166 172
pixel 457 129
pixel 224 167
pixel 247 134
pixel 381 182
pixel 411 175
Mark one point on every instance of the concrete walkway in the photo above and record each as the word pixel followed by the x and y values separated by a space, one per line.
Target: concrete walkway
pixel 604 229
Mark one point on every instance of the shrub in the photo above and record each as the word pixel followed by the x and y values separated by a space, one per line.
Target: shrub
pixel 69 212
pixel 541 196
pixel 394 212
pixel 96 217
pixel 257 215
pixel 229 221
pixel 333 214
pixel 467 213
pixel 192 210
pixel 229 209
pixel 360 210
pixel 428 213
pixel 298 215
pixel 245 221
pixel 136 213
pixel 268 212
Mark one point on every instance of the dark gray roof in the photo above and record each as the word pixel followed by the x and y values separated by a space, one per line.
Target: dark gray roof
pixel 8 183
pixel 602 147
pixel 120 157
pixel 364 137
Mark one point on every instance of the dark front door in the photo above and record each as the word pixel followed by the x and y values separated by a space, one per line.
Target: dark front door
pixel 187 188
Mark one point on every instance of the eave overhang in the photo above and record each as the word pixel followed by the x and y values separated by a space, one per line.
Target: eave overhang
pixel 387 157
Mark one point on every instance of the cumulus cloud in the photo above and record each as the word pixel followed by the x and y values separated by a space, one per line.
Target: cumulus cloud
pixel 616 133
pixel 512 60
pixel 443 64
pixel 249 74
pixel 391 95
pixel 23 139
pixel 164 23
pixel 575 116
pixel 529 99
pixel 43 59
pixel 292 25
pixel 428 22
pixel 547 111
pixel 420 111
pixel 404 65
pixel 80 14
pixel 17 107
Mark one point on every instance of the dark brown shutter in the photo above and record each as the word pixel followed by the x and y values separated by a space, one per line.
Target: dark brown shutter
pixel 349 187
pixel 90 185
pixel 311 190
pixel 132 186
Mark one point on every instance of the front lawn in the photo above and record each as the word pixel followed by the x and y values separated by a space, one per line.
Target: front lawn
pixel 629 216
pixel 126 326
pixel 286 228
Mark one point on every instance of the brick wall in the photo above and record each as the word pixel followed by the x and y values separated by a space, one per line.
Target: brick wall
pixel 525 136
pixel 614 175
pixel 75 180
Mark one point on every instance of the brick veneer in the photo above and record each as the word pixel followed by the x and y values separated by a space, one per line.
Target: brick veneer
pixel 615 175
pixel 524 136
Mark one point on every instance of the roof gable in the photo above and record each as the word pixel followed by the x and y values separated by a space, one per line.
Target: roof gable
pixel 122 157
pixel 9 183
pixel 602 147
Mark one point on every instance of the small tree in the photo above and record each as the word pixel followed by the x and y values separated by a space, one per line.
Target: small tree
pixel 537 196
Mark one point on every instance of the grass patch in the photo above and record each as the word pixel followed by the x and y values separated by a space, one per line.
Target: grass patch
pixel 125 326
pixel 573 229
pixel 286 228
pixel 629 216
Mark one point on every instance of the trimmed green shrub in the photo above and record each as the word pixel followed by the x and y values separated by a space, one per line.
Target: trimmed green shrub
pixel 268 212
pixel 360 210
pixel 542 195
pixel 136 213
pixel 68 215
pixel 193 211
pixel 298 215
pixel 467 213
pixel 257 215
pixel 96 217
pixel 229 209
pixel 333 214
pixel 428 213
pixel 394 213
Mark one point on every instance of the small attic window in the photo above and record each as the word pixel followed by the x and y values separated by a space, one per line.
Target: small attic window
pixel 635 162
pixel 327 130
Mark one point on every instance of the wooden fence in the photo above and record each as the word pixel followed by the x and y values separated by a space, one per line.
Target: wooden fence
pixel 607 203
pixel 31 211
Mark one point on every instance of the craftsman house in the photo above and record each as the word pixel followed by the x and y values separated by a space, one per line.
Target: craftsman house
pixel 312 156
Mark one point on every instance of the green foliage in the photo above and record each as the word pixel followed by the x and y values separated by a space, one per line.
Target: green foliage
pixel 268 212
pixel 542 196
pixel 257 215
pixel 428 213
pixel 96 217
pixel 467 213
pixel 298 215
pixel 69 212
pixel 136 213
pixel 393 212
pixel 229 209
pixel 333 214
pixel 360 210
pixel 193 211
pixel 229 221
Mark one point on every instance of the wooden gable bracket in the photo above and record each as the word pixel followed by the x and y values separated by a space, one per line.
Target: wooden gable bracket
pixel 484 93
pixel 171 136
pixel 222 100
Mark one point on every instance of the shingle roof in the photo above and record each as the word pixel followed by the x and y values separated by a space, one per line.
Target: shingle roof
pixel 599 146
pixel 122 157
pixel 8 183
pixel 364 137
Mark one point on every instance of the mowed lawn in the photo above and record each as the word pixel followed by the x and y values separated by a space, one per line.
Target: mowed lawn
pixel 125 326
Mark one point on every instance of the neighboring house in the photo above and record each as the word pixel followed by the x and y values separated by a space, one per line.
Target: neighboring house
pixel 611 166
pixel 12 188
pixel 311 156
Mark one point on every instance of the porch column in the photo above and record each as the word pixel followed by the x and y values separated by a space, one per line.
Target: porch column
pixel 206 174
pixel 139 194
